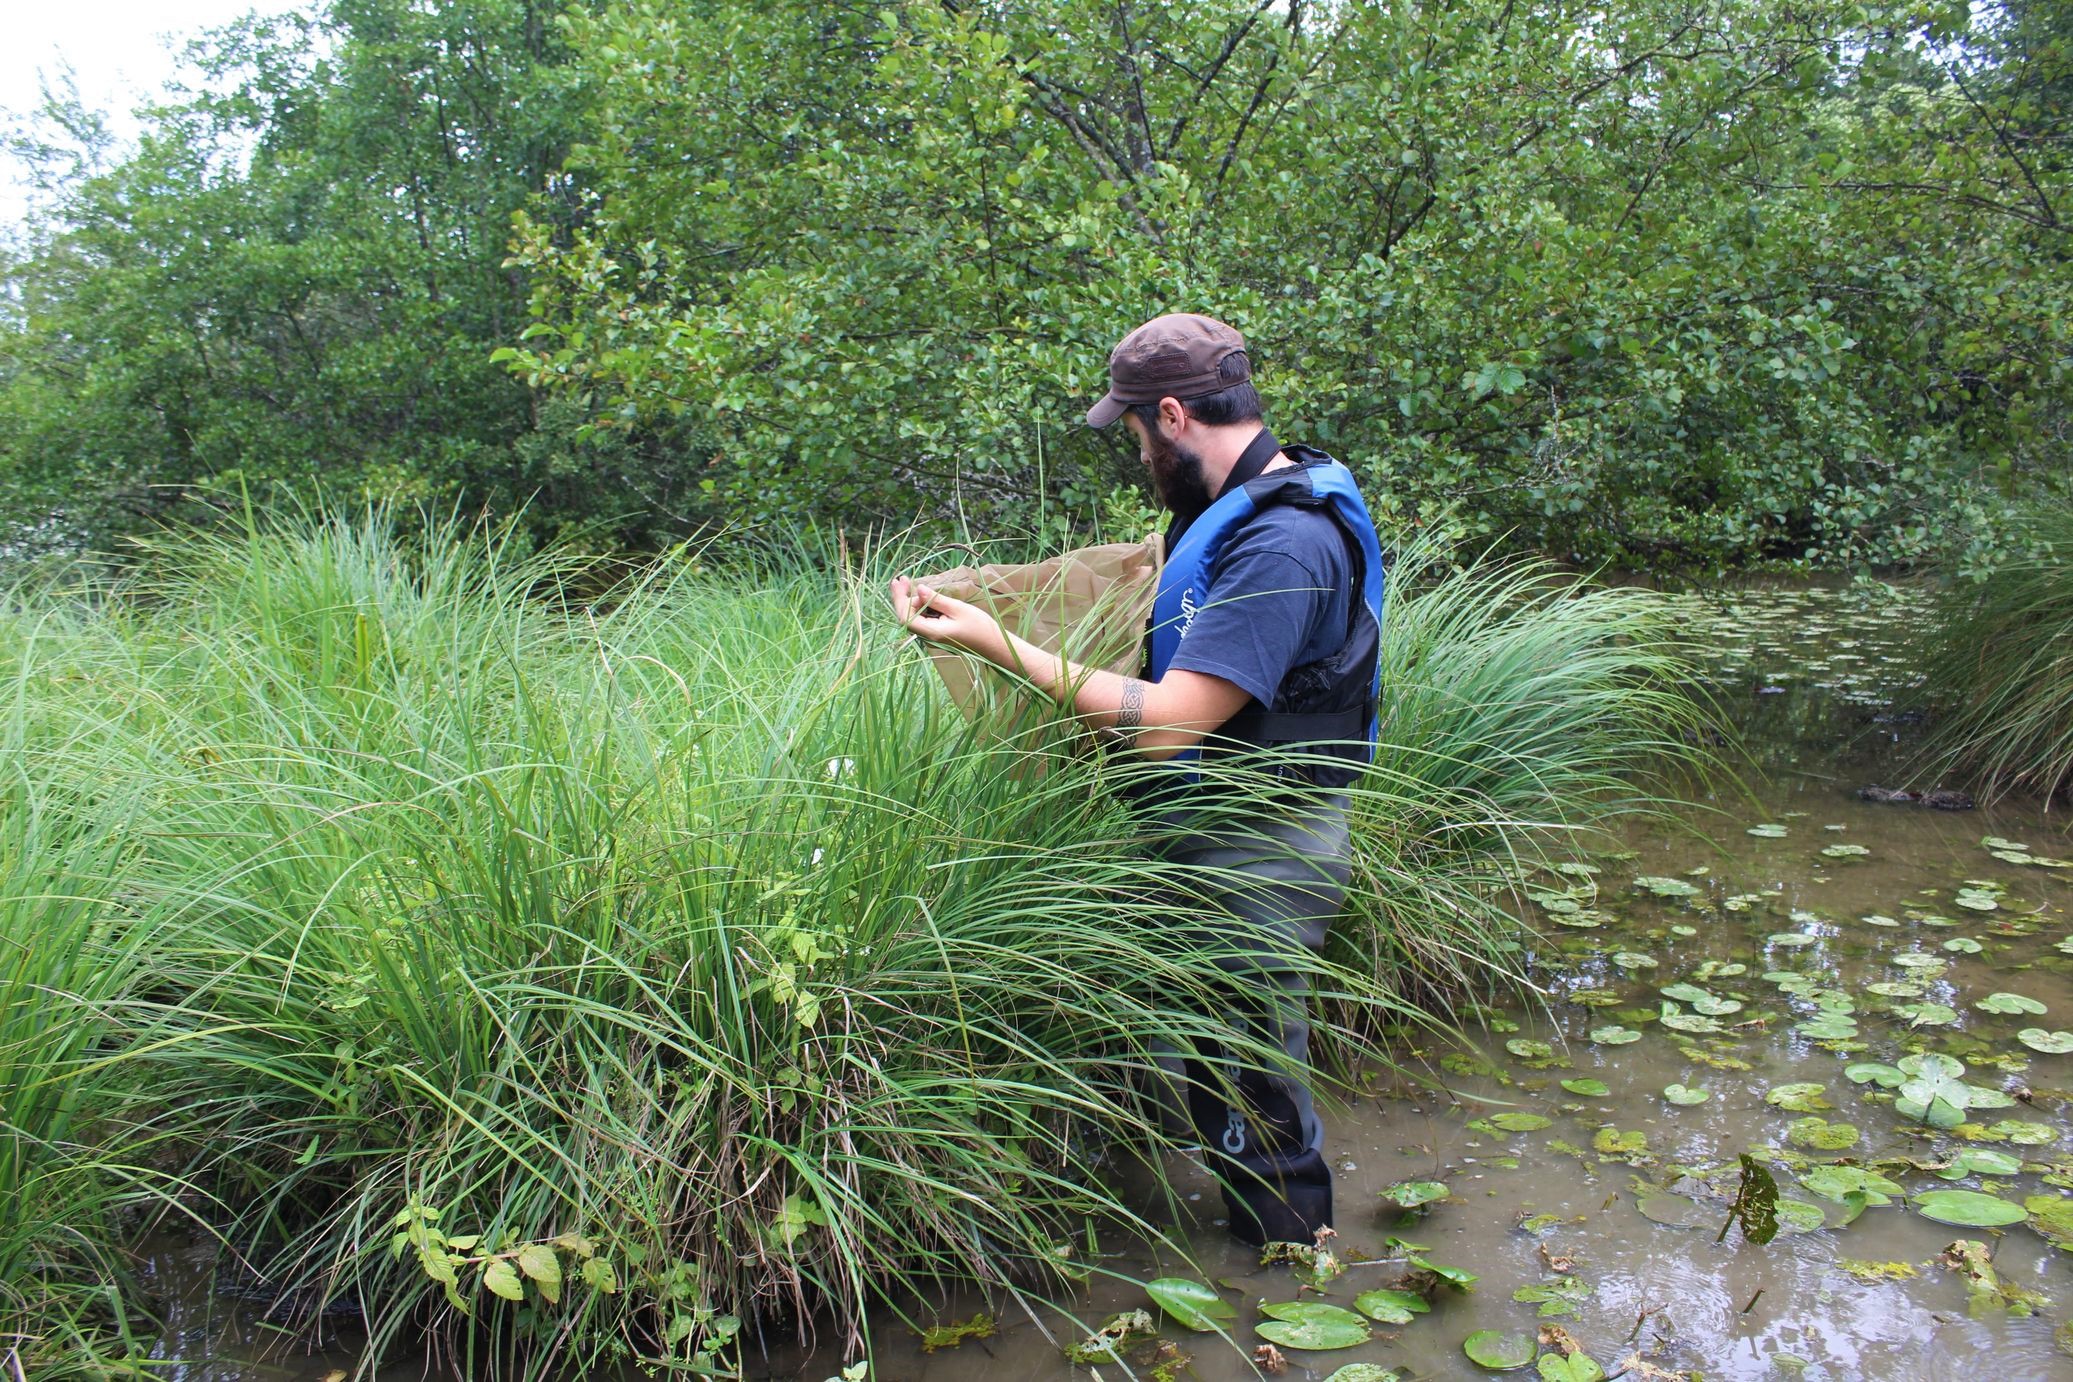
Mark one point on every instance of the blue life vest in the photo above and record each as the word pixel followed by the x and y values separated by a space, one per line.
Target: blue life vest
pixel 1333 701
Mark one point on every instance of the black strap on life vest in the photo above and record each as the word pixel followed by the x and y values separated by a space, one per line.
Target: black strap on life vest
pixel 1255 724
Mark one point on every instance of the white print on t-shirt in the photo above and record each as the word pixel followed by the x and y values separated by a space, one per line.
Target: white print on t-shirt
pixel 1188 611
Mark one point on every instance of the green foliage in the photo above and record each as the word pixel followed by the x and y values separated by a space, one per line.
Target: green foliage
pixel 580 966
pixel 1999 663
pixel 1727 283
pixel 1687 293
pixel 65 960
pixel 296 278
pixel 1519 705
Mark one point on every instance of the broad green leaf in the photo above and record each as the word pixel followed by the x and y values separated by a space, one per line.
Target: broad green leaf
pixel 1574 1367
pixel 1313 1326
pixel 1192 1304
pixel 1499 1351
pixel 1802 1096
pixel 1516 1121
pixel 2008 1003
pixel 538 1261
pixel 1389 1306
pixel 501 1279
pixel 1968 1209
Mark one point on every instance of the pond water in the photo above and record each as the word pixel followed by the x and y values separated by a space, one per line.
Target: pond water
pixel 1747 979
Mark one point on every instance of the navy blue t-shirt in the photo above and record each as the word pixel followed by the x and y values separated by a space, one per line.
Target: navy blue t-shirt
pixel 1280 596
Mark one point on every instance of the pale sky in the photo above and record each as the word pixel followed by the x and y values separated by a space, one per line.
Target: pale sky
pixel 119 50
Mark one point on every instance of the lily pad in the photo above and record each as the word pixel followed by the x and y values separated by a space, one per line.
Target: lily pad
pixel 1519 1122
pixel 1799 1097
pixel 1499 1352
pixel 1557 1298
pixel 1313 1326
pixel 1827 1027
pixel 1683 1095
pixel 1979 1161
pixel 1388 1306
pixel 1818 1134
pixel 1797 1216
pixel 1411 1193
pixel 1569 1367
pixel 2022 1134
pixel 2008 1003
pixel 1838 1183
pixel 1613 1142
pixel 1791 940
pixel 1366 1372
pixel 1614 1035
pixel 1767 832
pixel 1586 1087
pixel 1927 1014
pixel 1678 1020
pixel 1529 1049
pixel 1666 887
pixel 1845 852
pixel 1191 1304
pixel 1884 1076
pixel 2052 1216
pixel 2050 1043
pixel 1968 1209
pixel 1633 959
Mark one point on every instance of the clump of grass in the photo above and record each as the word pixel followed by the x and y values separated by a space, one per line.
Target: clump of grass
pixel 1522 707
pixel 685 957
pixel 64 1309
pixel 1999 665
pixel 561 979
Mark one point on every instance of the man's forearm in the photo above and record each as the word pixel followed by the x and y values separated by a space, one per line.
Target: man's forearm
pixel 1099 697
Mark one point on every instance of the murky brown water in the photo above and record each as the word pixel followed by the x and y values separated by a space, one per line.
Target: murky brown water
pixel 1811 673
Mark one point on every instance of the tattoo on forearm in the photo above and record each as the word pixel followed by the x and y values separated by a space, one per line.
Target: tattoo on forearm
pixel 1130 711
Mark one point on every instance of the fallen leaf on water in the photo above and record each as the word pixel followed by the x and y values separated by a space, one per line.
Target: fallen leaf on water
pixel 1269 1360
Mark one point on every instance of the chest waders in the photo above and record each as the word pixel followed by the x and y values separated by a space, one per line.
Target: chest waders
pixel 1259 1127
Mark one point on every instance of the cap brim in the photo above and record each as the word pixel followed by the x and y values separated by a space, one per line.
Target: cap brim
pixel 1108 410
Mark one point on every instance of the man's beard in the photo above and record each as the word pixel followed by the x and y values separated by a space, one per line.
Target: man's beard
pixel 1177 477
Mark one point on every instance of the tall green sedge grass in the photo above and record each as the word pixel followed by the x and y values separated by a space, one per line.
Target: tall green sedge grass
pixel 2000 665
pixel 65 963
pixel 563 981
pixel 1521 707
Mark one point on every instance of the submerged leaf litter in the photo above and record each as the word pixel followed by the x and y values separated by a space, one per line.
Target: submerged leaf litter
pixel 1849 1023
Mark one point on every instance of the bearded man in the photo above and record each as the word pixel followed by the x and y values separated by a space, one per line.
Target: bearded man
pixel 1263 654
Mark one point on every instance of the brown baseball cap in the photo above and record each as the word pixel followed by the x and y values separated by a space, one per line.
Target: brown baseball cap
pixel 1180 355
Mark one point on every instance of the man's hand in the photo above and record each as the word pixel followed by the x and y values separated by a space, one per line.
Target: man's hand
pixel 936 617
pixel 1161 717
